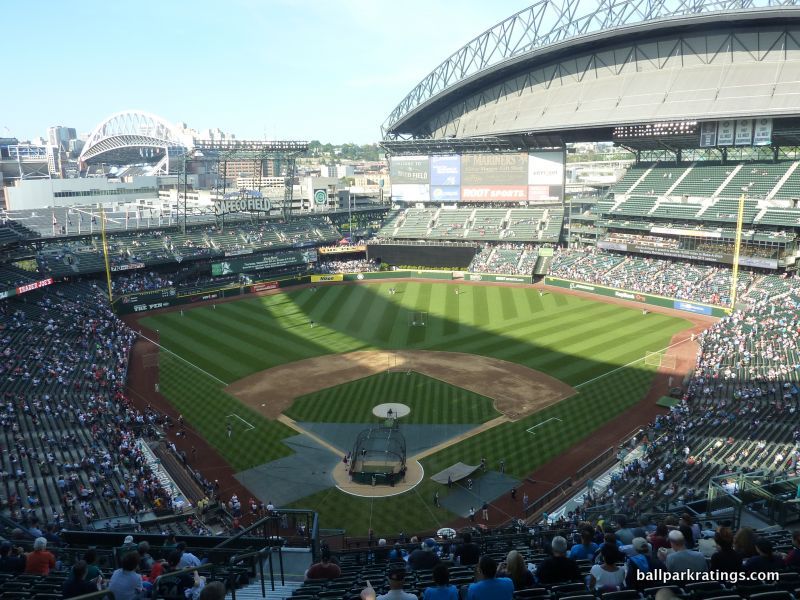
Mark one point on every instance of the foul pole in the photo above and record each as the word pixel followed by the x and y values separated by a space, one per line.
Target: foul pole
pixel 105 253
pixel 736 248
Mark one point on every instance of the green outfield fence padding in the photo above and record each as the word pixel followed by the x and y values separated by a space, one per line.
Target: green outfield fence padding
pixel 697 308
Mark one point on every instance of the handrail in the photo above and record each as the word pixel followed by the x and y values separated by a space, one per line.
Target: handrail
pixel 178 573
pixel 265 520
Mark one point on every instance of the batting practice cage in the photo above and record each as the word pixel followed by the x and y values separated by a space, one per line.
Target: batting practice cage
pixel 379 456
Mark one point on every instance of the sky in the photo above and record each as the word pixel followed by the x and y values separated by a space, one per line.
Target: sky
pixel 330 70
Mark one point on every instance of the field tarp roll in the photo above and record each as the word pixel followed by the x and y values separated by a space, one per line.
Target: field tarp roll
pixel 454 473
pixel 697 308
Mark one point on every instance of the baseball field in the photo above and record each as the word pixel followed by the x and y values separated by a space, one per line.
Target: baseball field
pixel 505 373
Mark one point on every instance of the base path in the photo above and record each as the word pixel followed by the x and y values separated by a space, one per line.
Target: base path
pixel 517 391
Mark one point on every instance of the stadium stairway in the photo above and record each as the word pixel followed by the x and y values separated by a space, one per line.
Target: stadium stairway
pixel 252 591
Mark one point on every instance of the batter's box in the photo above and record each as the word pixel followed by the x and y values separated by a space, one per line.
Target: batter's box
pixel 530 429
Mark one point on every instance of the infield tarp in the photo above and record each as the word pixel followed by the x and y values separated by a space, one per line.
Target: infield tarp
pixel 455 472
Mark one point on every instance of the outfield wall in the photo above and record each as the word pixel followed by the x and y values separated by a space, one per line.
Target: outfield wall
pixel 697 308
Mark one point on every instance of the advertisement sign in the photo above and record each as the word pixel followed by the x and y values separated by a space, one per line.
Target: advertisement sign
pixel 446 170
pixel 410 192
pixel 744 132
pixel 686 232
pixel 265 261
pixel 725 132
pixel 544 193
pixel 708 134
pixel 445 193
pixel 691 307
pixel 494 170
pixel 35 285
pixel 763 132
pixel 409 169
pixel 264 286
pixel 239 252
pixel 494 193
pixel 332 277
pixel 127 267
pixel 546 168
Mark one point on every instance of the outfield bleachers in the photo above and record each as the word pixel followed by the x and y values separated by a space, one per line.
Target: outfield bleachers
pixel 632 175
pixel 727 210
pixel 703 180
pixel 673 210
pixel 486 223
pixel 659 180
pixel 781 217
pixel 416 223
pixel 760 178
pixel 449 224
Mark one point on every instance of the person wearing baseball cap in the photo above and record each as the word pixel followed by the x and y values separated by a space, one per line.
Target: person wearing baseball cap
pixel 396 580
pixel 641 561
pixel 424 557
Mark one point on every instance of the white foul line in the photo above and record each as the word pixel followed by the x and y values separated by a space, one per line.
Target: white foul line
pixel 242 420
pixel 141 335
pixel 633 362
pixel 530 429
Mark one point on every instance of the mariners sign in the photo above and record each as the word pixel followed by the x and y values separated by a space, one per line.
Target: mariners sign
pixel 242 205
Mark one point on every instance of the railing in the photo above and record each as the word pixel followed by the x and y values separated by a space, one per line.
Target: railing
pixel 271 529
pixel 166 576
pixel 101 594
pixel 258 557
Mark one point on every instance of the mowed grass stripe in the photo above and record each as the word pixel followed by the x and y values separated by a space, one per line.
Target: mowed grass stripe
pixel 431 401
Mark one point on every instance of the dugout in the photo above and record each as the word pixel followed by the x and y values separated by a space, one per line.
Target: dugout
pixel 380 453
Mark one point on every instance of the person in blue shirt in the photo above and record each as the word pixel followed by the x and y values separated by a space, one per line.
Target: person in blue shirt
pixel 489 587
pixel 442 590
pixel 586 549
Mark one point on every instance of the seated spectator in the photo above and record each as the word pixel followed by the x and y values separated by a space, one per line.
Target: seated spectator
pixel 744 542
pixel 442 590
pixel 182 582
pixel 624 533
pixel 613 546
pixel 381 552
pixel 424 557
pixel 396 580
pixel 514 568
pixel 40 561
pixel 397 554
pixel 725 559
pixel 92 570
pixel 213 591
pixel 766 560
pixel 586 549
pixel 145 560
pixel 681 559
pixel 125 582
pixel 77 584
pixel 324 569
pixel 658 539
pixel 187 558
pixel 607 576
pixel 558 568
pixel 641 562
pixel 792 558
pixel 12 560
pixel 488 586
pixel 468 552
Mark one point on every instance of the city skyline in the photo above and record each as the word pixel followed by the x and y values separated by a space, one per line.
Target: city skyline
pixel 282 69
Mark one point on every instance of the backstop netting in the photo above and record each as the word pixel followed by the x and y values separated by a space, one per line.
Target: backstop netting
pixel 660 358
pixel 379 456
pixel 417 319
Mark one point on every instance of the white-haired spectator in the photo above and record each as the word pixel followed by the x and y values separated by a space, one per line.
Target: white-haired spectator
pixel 41 561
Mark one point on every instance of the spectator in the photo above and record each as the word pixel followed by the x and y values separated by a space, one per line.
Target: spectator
pixel 744 542
pixel 586 549
pixel 12 560
pixel 766 560
pixel 441 590
pixel 324 569
pixel 558 568
pixel 183 582
pixel 381 552
pixel 607 576
pixel 792 558
pixel 40 561
pixel 397 553
pixel 725 559
pixel 145 560
pixel 125 582
pixel 488 586
pixel 77 584
pixel 92 570
pixel 396 580
pixel 214 590
pixel 641 562
pixel 659 539
pixel 468 552
pixel 624 533
pixel 613 546
pixel 424 557
pixel 682 559
pixel 187 558
pixel 514 568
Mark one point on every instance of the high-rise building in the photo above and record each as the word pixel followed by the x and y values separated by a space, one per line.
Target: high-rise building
pixel 60 136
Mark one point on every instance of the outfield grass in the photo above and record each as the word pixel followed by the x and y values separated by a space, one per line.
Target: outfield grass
pixel 431 401
pixel 568 337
